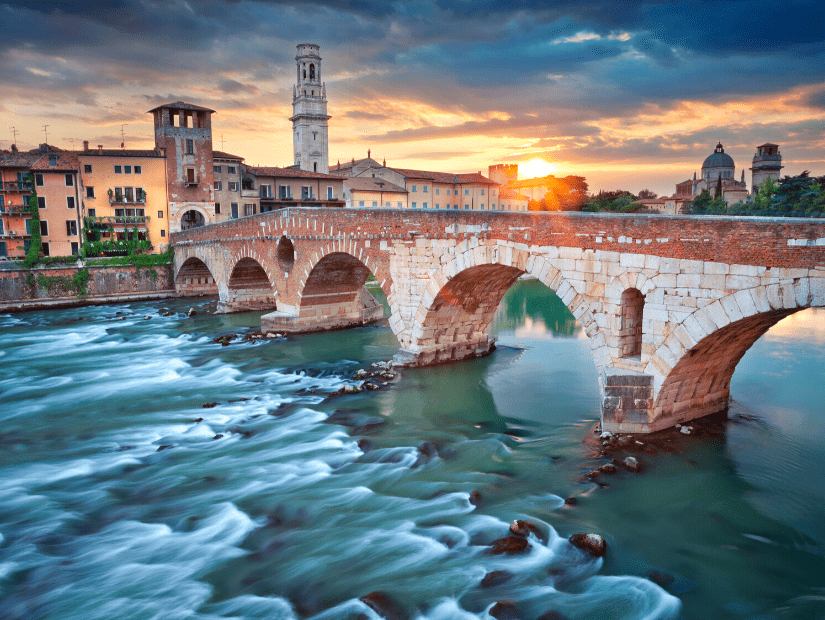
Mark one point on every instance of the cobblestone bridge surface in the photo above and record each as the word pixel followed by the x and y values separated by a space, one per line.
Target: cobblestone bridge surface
pixel 670 303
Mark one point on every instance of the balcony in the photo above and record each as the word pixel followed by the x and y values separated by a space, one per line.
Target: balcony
pixel 126 199
pixel 15 209
pixel 118 222
pixel 17 186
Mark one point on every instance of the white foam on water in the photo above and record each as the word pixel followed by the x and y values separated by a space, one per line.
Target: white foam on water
pixel 250 607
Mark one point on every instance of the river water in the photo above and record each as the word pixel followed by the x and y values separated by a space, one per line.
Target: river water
pixel 123 497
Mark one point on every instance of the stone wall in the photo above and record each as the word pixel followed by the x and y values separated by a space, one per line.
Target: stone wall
pixel 21 284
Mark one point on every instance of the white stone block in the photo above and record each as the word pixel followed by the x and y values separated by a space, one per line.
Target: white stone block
pixel 669 265
pixel 760 299
pixel 574 253
pixel 732 308
pixel 691 266
pixel 737 282
pixel 802 292
pixel 717 314
pixel 717 269
pixel 745 302
pixel 817 290
pixel 688 280
pixel 632 260
pixel 694 328
pixel 788 295
pixel 744 270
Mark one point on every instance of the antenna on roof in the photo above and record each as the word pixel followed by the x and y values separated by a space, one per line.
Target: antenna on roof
pixel 221 141
pixel 14 132
pixel 45 127
pixel 122 137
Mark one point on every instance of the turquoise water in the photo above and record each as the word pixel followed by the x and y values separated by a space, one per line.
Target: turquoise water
pixel 123 497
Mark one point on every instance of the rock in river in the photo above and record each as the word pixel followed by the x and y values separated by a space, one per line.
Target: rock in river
pixel 592 543
pixel 509 546
pixel 385 606
pixel 523 529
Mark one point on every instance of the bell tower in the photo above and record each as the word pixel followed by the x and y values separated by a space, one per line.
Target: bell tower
pixel 309 112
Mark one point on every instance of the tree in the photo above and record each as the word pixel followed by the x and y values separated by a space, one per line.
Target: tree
pixel 33 254
pixel 718 193
pixel 646 194
pixel 703 204
pixel 613 201
pixel 763 201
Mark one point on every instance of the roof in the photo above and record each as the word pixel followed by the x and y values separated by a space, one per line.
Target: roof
pixel 120 153
pixel 718 159
pixel 180 105
pixel 272 171
pixel 767 144
pixel 510 194
pixel 372 184
pixel 223 155
pixel 64 161
pixel 10 159
pixel 444 177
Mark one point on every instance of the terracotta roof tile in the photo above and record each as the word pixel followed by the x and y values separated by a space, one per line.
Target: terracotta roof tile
pixel 273 171
pixel 370 184
pixel 224 155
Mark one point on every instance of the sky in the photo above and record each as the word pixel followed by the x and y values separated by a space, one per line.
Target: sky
pixel 630 95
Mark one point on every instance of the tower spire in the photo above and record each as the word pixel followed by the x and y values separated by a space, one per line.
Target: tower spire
pixel 309 112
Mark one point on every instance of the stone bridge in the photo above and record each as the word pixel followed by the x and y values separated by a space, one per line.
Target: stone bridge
pixel 670 303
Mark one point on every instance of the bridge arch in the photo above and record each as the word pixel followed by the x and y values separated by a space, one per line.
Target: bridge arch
pixel 194 278
pixel 459 302
pixel 249 285
pixel 692 369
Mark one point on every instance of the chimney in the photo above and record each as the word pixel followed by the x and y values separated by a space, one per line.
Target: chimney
pixel 100 149
pixel 85 145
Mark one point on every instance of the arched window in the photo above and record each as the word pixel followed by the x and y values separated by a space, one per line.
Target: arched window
pixel 311 72
pixel 305 74
pixel 315 166
pixel 630 330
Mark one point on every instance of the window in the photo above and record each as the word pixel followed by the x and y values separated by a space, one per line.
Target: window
pixel 234 207
pixel 118 169
pixel 128 194
pixel 398 204
pixel 482 191
pixel 140 196
pixel 87 168
pixel 266 191
pixel 92 213
pixel 38 179
pixel 374 203
pixel 118 196
pixel 230 169
pixel 360 203
pixel 28 228
pixel 138 169
pixel 70 202
pixel 466 206
pixel 90 191
pixel 44 228
pixel 493 192
pixel 216 169
pixel 414 205
pixel 160 215
pixel 127 169
pixel 190 176
pixel 329 192
pixel 190 146
pixel 425 189
pixel 75 248
pixel 218 186
pixel 3 248
pixel 414 188
pixel 71 228
pixel 283 192
pixel 493 206
pixel 233 186
pixel 217 208
pixel 437 206
pixel 389 204
pixel 437 191
pixel 466 192
pixel 162 233
pixel 41 202
pixel 306 191
pixel 249 209
pixel 455 206
pixel 424 206
pixel 45 249
pixel 2 230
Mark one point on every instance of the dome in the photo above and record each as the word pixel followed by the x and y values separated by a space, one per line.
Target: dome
pixel 718 159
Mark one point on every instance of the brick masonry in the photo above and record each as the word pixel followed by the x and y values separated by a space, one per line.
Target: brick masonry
pixel 707 287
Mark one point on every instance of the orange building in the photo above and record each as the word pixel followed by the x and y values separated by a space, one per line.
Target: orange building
pixel 15 190
pixel 55 181
pixel 123 190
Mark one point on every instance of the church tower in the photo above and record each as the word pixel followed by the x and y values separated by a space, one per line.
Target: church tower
pixel 309 112
pixel 766 163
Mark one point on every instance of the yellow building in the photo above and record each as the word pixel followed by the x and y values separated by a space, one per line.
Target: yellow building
pixel 123 190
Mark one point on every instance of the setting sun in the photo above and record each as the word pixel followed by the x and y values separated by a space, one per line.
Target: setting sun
pixel 536 168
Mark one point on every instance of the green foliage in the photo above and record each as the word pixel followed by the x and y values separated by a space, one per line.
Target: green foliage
pixel 36 242
pixel 76 284
pixel 618 201
pixel 703 204
pixel 567 194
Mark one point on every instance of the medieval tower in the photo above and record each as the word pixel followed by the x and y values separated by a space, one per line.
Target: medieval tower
pixel 766 163
pixel 183 134
pixel 309 112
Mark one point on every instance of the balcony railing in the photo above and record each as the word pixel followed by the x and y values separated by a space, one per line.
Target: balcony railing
pixel 127 200
pixel 15 209
pixel 17 186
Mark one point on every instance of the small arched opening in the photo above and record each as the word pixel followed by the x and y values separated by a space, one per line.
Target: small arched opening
pixel 630 331
pixel 286 254
pixel 194 279
pixel 311 71
pixel 192 219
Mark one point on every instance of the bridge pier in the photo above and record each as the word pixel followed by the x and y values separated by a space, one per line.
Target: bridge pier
pixel 442 354
pixel 627 401
pixel 330 314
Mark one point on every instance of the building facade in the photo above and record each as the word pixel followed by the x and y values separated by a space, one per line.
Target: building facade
pixel 183 134
pixel 767 162
pixel 276 188
pixel 226 171
pixel 310 121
